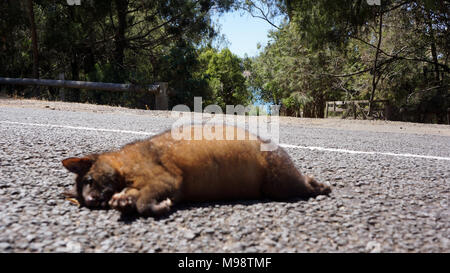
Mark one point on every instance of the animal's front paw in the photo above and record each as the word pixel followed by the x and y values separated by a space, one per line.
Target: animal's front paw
pixel 123 202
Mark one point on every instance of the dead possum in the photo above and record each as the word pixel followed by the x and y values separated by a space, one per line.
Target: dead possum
pixel 149 176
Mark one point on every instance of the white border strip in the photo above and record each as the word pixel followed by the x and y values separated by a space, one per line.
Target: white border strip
pixel 282 145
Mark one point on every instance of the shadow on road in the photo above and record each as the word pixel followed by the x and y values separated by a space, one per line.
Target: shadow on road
pixel 131 217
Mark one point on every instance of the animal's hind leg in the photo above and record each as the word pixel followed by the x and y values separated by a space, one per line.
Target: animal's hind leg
pixel 148 204
pixel 283 180
pixel 156 208
pixel 317 187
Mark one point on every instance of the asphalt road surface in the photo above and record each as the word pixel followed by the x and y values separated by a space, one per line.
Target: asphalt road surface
pixel 390 191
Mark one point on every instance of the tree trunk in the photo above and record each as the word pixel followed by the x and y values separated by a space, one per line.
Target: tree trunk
pixel 34 42
pixel 374 78
pixel 120 42
pixel 319 105
pixel 75 69
pixel 433 47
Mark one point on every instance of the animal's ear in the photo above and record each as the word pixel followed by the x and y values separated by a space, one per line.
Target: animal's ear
pixel 78 165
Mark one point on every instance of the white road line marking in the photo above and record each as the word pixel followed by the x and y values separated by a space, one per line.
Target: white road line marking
pixel 362 152
pixel 79 128
pixel 282 145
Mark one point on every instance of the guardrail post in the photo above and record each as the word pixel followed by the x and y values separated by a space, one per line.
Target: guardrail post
pixel 448 116
pixel 62 92
pixel 162 97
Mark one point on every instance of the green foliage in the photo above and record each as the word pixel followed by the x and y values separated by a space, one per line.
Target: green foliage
pixel 327 52
pixel 224 74
pixel 290 73
pixel 295 103
pixel 122 41
pixel 324 50
pixel 15 40
pixel 328 21
pixel 181 68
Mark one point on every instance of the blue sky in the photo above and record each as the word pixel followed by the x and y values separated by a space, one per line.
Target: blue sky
pixel 243 32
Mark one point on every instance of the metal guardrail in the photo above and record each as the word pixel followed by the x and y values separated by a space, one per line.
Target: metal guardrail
pixel 159 89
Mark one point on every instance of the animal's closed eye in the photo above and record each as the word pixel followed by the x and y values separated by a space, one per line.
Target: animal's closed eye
pixel 88 180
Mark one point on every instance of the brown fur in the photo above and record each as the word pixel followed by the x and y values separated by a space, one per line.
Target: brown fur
pixel 149 176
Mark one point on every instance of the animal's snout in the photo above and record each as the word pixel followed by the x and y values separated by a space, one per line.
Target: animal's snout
pixel 91 201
